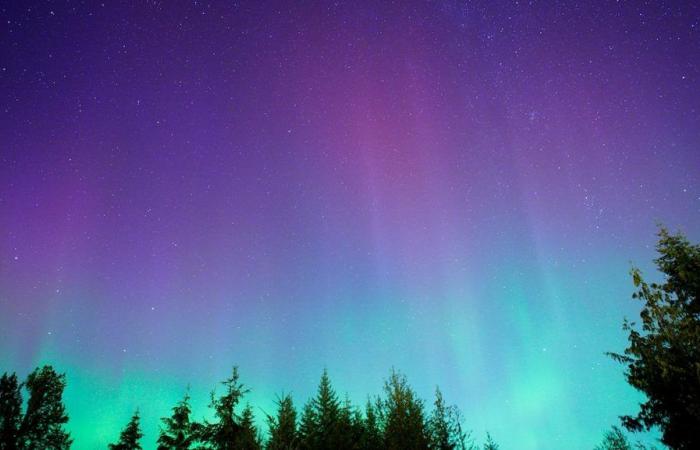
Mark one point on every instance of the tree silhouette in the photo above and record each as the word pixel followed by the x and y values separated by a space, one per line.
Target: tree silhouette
pixel 614 440
pixel 307 427
pixel 490 443
pixel 663 358
pixel 371 436
pixel 45 414
pixel 130 437
pixel 179 432
pixel 223 434
pixel 393 421
pixel 327 413
pixel 402 415
pixel 445 427
pixel 348 429
pixel 10 411
pixel 248 437
pixel 283 427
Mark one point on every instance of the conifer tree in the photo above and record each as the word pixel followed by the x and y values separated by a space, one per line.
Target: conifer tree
pixel 371 432
pixel 403 416
pixel 490 443
pixel 348 428
pixel 357 426
pixel 327 413
pixel 248 438
pixel 45 414
pixel 283 427
pixel 614 440
pixel 179 432
pixel 445 426
pixel 438 425
pixel 223 434
pixel 131 435
pixel 308 428
pixel 662 359
pixel 10 411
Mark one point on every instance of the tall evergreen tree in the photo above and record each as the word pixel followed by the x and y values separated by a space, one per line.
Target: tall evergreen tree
pixel 10 411
pixel 283 426
pixel 308 427
pixel 403 416
pixel 42 426
pixel 179 432
pixel 130 437
pixel 223 434
pixel 439 426
pixel 348 428
pixel 445 427
pixel 663 358
pixel 248 438
pixel 372 437
pixel 327 413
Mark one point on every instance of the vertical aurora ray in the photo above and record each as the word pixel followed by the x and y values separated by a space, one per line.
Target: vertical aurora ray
pixel 455 190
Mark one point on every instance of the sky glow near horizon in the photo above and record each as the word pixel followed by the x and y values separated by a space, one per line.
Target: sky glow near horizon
pixel 454 189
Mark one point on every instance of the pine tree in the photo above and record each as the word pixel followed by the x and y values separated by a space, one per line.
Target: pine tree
pixel 327 412
pixel 45 415
pixel 445 427
pixel 357 427
pixel 10 411
pixel 438 425
pixel 223 434
pixel 348 429
pixel 490 443
pixel 179 432
pixel 248 438
pixel 403 416
pixel 371 432
pixel 283 427
pixel 308 427
pixel 130 436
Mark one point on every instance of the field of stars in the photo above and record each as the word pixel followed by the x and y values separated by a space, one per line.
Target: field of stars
pixel 456 189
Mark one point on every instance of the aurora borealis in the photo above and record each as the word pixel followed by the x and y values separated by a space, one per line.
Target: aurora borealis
pixel 454 189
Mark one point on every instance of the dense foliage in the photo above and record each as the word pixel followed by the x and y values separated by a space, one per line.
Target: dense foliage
pixel 40 424
pixel 663 357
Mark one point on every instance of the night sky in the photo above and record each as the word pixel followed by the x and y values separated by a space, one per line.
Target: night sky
pixel 454 189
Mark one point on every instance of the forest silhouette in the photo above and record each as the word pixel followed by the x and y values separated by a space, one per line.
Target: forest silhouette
pixel 662 361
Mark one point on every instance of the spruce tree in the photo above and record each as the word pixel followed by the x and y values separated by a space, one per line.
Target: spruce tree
pixel 327 413
pixel 179 432
pixel 43 423
pixel 490 443
pixel 403 416
pixel 248 438
pixel 308 428
pixel 283 427
pixel 438 425
pixel 223 434
pixel 445 426
pixel 130 437
pixel 348 428
pixel 371 432
pixel 10 411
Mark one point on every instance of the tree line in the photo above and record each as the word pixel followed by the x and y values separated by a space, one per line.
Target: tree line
pixel 662 361
pixel 396 420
